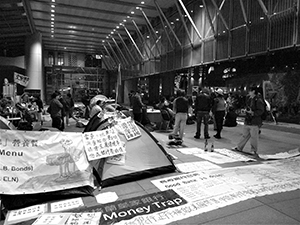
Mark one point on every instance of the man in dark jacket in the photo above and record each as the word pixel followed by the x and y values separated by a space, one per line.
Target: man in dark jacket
pixel 55 110
pixel 202 109
pixel 252 121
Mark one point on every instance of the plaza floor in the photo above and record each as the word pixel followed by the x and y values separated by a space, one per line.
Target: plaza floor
pixel 281 208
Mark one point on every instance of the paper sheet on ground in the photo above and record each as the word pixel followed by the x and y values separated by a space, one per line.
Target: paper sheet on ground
pixel 196 166
pixel 216 158
pixel 190 151
pixel 66 204
pixel 106 197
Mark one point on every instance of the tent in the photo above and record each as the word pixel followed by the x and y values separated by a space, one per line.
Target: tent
pixel 145 157
pixel 6 124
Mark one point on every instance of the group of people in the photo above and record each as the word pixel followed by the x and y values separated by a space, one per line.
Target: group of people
pixel 207 105
pixel 61 110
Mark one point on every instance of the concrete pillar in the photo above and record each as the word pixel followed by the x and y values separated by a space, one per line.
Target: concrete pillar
pixel 34 63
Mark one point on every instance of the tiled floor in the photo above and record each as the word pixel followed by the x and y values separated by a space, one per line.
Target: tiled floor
pixel 281 208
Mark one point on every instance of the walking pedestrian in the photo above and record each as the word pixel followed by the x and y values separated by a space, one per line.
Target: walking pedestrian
pixel 253 121
pixel 180 108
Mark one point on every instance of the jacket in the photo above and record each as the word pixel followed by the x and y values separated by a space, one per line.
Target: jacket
pixel 256 104
pixel 203 102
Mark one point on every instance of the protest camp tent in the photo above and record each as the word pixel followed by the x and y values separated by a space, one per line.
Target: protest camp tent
pixel 6 124
pixel 145 157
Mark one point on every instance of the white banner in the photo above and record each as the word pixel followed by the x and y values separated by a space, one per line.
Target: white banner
pixel 36 161
pixel 21 79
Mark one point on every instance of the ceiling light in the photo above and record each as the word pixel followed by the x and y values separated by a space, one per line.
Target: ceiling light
pixel 132 12
pixel 52 18
pixel 52 10
pixel 53 0
pixel 52 25
pixel 128 17
pixel 52 35
pixel 117 27
pixel 142 3
pixel 112 32
pixel 20 4
pixel 137 7
pixel 53 6
pixel 52 22
pixel 52 15
pixel 177 19
pixel 201 6
pixel 124 21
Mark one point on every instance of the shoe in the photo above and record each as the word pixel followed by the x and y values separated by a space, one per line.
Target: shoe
pixel 259 132
pixel 171 136
pixel 197 137
pixel 207 137
pixel 217 136
pixel 236 149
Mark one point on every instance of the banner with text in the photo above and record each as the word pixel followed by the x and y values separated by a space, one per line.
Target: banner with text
pixel 35 161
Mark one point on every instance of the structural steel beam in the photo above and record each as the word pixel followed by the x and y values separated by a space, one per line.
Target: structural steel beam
pixel 116 63
pixel 263 7
pixel 168 24
pixel 221 6
pixel 151 29
pixel 121 53
pixel 244 12
pixel 114 53
pixel 164 26
pixel 183 22
pixel 125 46
pixel 209 18
pixel 133 42
pixel 220 14
pixel 143 39
pixel 191 20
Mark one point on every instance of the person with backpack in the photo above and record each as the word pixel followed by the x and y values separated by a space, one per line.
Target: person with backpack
pixel 253 121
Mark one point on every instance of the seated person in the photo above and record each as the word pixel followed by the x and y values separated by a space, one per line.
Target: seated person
pixel 230 118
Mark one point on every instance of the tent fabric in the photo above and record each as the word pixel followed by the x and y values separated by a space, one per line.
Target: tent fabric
pixel 144 158
pixel 6 124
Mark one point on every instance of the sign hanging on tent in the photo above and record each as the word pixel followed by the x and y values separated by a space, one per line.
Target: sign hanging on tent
pixel 129 128
pixel 35 161
pixel 21 79
pixel 102 144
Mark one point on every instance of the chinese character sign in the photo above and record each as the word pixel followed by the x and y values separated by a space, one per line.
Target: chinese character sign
pixel 102 144
pixel 36 161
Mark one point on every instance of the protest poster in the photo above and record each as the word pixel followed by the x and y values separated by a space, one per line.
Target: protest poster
pixel 102 144
pixel 129 128
pixel 42 161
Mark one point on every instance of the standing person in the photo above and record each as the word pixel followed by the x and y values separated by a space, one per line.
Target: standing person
pixel 86 102
pixel 137 106
pixel 69 109
pixel 40 105
pixel 180 108
pixel 202 109
pixel 219 108
pixel 55 110
pixel 253 121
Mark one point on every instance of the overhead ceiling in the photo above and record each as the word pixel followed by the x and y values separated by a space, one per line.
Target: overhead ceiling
pixel 72 25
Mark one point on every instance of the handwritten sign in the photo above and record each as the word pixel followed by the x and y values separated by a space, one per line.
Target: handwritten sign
pixel 129 128
pixel 36 161
pixel 102 144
